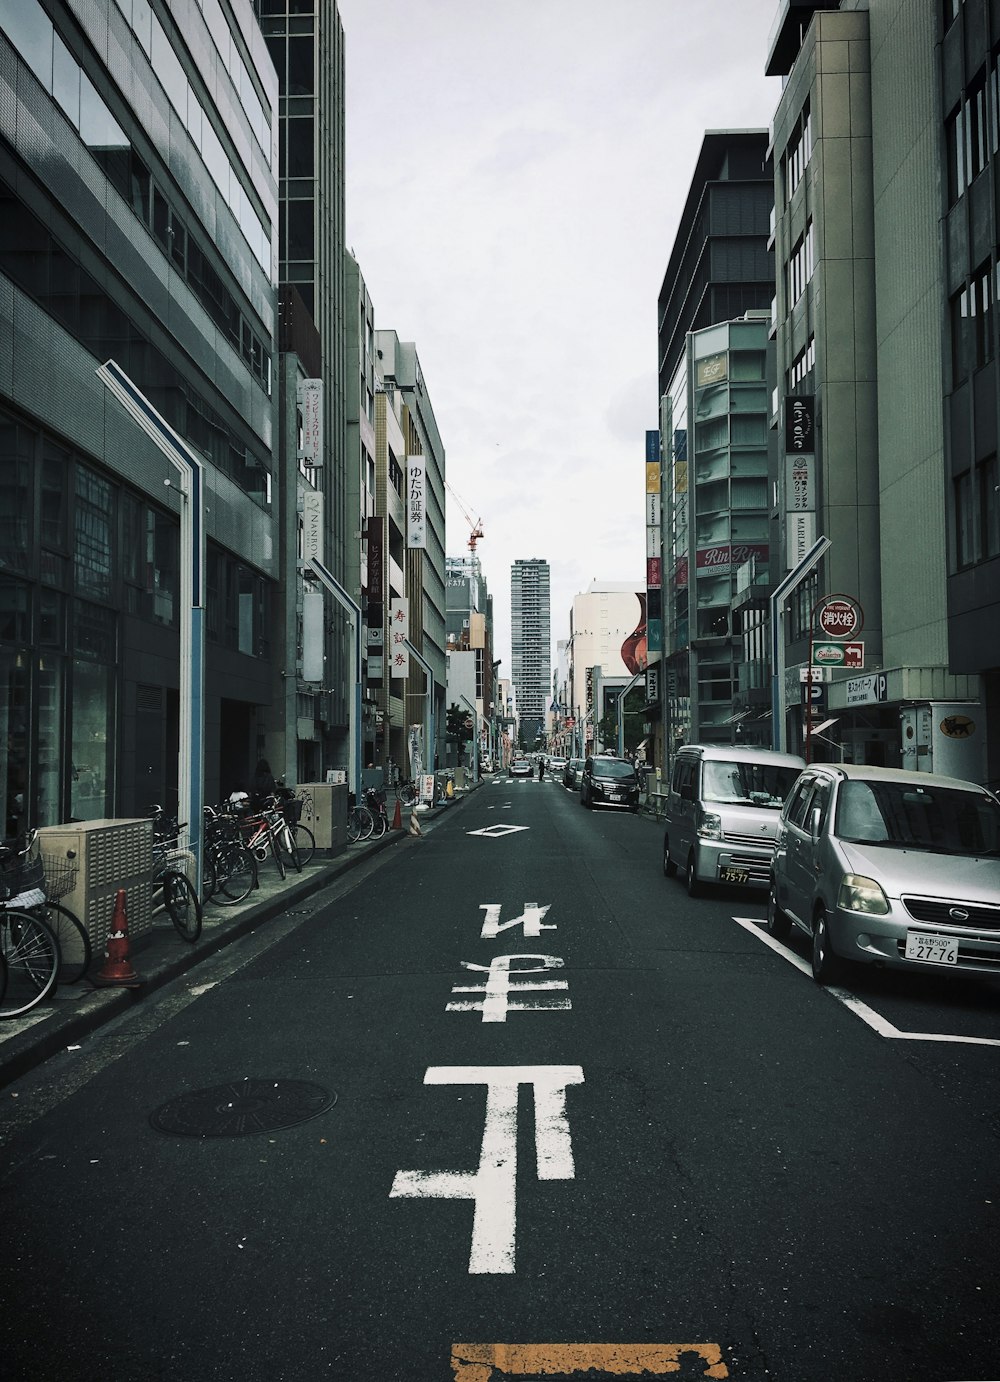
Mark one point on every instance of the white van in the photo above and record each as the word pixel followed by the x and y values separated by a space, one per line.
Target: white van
pixel 722 813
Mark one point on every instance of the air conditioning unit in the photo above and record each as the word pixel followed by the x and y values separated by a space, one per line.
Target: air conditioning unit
pixel 107 855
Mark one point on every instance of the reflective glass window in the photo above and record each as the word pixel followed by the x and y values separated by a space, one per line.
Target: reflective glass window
pixel 66 81
pixel 30 30
pixel 92 705
pixel 92 531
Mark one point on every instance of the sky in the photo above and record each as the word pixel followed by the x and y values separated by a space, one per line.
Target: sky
pixel 515 176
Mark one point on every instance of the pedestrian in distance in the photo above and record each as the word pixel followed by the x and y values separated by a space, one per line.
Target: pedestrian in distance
pixel 263 784
pixel 541 768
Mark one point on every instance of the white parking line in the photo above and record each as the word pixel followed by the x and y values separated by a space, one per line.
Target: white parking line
pixel 875 1020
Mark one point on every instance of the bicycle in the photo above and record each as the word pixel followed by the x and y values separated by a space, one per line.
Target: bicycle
pixel 360 824
pixel 28 945
pixel 295 839
pixel 375 803
pixel 260 833
pixel 406 793
pixel 229 874
pixel 170 881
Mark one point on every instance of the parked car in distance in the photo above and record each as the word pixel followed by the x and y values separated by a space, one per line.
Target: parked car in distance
pixel 571 773
pixel 722 812
pixel 890 868
pixel 556 766
pixel 520 767
pixel 608 781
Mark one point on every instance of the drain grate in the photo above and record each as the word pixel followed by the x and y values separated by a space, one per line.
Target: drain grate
pixel 242 1107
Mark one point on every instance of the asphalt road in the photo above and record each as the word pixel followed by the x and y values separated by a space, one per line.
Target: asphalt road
pixel 649 1146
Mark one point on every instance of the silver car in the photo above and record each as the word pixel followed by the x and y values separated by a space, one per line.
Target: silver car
pixel 896 869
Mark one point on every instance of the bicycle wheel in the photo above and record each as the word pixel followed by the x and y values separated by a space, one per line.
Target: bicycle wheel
pixel 237 871
pixel 367 823
pixel 305 843
pixel 74 942
pixel 354 825
pixel 380 824
pixel 286 843
pixel 407 793
pixel 182 903
pixel 31 952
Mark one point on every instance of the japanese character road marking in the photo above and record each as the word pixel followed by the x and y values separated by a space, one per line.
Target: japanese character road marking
pixel 502 982
pixel 493 1186
pixel 530 919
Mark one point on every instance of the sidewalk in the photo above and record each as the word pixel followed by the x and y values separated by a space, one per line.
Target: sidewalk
pixel 74 1010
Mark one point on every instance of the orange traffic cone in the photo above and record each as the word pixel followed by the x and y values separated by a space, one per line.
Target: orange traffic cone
pixel 397 818
pixel 117 967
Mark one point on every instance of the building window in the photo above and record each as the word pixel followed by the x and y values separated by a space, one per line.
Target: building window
pixel 981 311
pixel 955 154
pixel 965 530
pixel 976 148
pixel 800 265
pixel 989 506
pixel 958 310
pixel 803 363
pixel 798 152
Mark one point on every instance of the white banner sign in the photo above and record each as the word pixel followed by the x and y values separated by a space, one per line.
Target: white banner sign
pixel 416 502
pixel 312 636
pixel 312 525
pixel 399 631
pixel 309 397
pixel 800 484
pixel 800 535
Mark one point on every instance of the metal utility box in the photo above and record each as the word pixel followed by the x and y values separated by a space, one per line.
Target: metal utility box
pixel 108 855
pixel 325 814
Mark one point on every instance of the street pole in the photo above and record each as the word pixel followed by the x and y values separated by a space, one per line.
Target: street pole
pixel 191 707
pixel 780 594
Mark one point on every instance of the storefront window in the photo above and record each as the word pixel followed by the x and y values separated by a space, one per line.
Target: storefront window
pixel 14 731
pixel 50 703
pixel 93 549
pixel 91 784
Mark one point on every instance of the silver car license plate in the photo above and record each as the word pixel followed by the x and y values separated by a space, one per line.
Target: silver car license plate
pixel 931 949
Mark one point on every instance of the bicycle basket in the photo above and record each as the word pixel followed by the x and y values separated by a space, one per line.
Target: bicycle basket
pixel 60 875
pixel 292 810
pixel 20 872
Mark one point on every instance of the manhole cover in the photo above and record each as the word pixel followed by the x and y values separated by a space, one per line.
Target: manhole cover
pixel 242 1107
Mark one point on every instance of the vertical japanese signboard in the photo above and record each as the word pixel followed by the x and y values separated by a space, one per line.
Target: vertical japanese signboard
pixel 309 397
pixel 799 478
pixel 654 546
pixel 416 502
pixel 399 631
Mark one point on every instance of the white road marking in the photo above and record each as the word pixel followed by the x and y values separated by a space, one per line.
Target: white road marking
pixel 502 981
pixel 875 1020
pixel 497 832
pixel 493 1186
pixel 530 918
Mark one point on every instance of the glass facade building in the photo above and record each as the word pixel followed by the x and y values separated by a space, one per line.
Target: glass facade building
pixel 530 643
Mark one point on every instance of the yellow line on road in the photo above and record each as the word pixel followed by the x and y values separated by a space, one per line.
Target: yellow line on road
pixel 494 1362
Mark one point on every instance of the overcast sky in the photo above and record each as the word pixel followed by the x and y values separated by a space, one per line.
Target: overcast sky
pixel 516 171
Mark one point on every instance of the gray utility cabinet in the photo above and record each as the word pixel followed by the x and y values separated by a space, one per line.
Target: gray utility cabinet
pixel 325 814
pixel 106 855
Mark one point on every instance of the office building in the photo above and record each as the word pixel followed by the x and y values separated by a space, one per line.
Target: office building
pixel 530 643
pixel 138 178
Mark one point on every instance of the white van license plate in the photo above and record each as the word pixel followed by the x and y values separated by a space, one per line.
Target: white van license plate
pixel 935 950
pixel 729 874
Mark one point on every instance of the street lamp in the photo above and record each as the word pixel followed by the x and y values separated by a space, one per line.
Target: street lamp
pixel 639 676
pixel 191 708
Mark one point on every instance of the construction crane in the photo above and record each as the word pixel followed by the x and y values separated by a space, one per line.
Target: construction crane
pixel 475 527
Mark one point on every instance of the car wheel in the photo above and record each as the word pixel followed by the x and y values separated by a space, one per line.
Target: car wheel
pixel 779 924
pixel 827 967
pixel 669 867
pixel 694 887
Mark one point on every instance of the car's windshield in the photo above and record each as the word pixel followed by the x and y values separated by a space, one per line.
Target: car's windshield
pixel 747 784
pixel 947 819
pixel 612 767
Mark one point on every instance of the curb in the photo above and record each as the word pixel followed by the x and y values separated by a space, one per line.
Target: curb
pixel 56 1030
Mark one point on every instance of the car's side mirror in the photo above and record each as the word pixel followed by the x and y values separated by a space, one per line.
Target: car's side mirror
pixel 815 821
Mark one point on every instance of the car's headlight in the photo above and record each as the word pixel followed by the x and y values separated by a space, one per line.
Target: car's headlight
pixel 859 894
pixel 710 826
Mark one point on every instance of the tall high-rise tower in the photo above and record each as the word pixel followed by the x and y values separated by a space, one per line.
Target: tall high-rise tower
pixel 530 650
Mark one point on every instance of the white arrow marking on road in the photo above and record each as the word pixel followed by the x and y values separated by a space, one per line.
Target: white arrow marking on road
pixel 502 981
pixel 530 918
pixel 493 1186
pixel 868 1015
pixel 496 832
